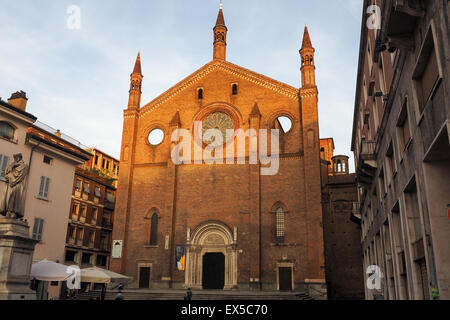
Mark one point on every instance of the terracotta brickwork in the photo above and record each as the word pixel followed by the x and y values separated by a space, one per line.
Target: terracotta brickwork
pixel 236 199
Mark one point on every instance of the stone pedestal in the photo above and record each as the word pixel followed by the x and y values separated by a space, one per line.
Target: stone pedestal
pixel 16 257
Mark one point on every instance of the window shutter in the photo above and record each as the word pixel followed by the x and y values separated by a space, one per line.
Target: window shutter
pixel 35 228
pixel 47 186
pixel 40 230
pixel 3 164
pixel 41 187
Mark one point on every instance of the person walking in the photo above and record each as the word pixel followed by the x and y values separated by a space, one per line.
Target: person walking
pixel 119 296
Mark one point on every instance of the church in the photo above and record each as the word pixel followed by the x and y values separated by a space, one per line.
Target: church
pixel 222 226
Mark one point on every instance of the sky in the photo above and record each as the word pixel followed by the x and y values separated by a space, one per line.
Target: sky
pixel 77 76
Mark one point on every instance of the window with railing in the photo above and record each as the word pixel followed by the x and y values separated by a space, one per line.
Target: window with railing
pixel 94 215
pixel 83 213
pixel 80 236
pixel 72 234
pixel 91 238
pixel 78 185
pixel 86 188
pixel 75 210
pixel 97 192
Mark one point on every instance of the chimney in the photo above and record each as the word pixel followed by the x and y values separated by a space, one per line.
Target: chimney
pixel 19 100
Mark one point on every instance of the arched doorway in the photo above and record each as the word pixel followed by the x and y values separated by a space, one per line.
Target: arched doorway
pixel 211 258
pixel 213 275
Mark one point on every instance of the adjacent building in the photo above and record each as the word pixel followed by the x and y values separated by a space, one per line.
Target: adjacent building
pixel 52 160
pixel 400 139
pixel 103 165
pixel 343 268
pixel 90 220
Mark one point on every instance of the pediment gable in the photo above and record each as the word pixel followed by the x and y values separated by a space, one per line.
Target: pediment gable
pixel 269 83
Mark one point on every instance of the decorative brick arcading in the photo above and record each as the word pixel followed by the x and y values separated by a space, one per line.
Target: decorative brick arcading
pixel 266 82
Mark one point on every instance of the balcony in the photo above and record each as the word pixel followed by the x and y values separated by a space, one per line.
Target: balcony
pixel 367 150
pixel 355 215
pixel 402 20
pixel 366 167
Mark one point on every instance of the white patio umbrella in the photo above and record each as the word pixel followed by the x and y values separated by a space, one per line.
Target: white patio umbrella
pixel 98 275
pixel 46 270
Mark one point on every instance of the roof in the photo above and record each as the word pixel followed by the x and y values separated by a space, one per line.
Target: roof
pixel 362 48
pixel 226 66
pixel 56 142
pixel 11 107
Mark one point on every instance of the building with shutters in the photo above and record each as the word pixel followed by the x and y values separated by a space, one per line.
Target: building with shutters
pixel 222 226
pixel 401 135
pixel 91 213
pixel 52 158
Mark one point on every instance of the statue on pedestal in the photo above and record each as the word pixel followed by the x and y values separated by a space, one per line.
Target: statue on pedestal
pixel 13 191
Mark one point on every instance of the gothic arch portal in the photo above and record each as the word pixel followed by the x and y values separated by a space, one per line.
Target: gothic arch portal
pixel 211 237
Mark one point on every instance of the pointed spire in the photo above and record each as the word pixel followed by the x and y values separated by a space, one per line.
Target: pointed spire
pixel 220 37
pixel 306 39
pixel 220 19
pixel 255 110
pixel 137 66
pixel 176 121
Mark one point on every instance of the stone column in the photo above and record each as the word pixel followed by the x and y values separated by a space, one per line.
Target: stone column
pixel 16 257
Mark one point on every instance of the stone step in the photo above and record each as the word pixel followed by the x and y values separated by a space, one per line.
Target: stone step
pixel 205 295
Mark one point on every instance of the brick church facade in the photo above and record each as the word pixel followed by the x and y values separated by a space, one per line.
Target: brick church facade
pixel 222 226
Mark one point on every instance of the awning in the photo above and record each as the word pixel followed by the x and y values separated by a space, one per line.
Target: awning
pixel 98 275
pixel 46 270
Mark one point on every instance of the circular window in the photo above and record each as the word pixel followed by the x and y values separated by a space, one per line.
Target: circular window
pixel 156 137
pixel 215 128
pixel 283 123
